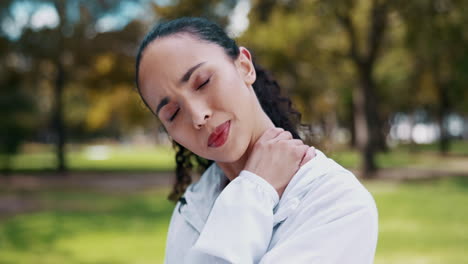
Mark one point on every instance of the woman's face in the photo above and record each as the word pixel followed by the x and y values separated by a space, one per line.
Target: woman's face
pixel 203 98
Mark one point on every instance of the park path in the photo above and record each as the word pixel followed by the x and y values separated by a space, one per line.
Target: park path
pixel 15 190
pixel 100 181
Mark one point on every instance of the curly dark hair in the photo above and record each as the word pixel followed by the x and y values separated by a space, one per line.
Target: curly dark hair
pixel 278 107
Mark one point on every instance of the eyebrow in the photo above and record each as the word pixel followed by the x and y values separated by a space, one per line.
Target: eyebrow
pixel 187 75
pixel 163 102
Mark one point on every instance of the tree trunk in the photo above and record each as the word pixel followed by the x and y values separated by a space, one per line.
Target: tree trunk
pixel 383 130
pixel 58 122
pixel 369 134
pixel 352 126
pixel 443 109
pixel 366 121
pixel 412 144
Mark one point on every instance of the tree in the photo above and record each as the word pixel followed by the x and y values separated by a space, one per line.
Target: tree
pixel 16 107
pixel 364 53
pixel 69 49
pixel 328 49
pixel 435 39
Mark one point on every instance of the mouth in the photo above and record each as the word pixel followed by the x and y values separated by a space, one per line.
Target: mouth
pixel 219 135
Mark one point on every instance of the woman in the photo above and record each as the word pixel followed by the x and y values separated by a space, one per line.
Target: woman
pixel 265 196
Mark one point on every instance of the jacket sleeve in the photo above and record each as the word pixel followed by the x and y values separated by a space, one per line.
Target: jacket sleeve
pixel 240 225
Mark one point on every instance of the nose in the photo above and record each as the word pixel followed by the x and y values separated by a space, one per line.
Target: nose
pixel 201 120
pixel 201 113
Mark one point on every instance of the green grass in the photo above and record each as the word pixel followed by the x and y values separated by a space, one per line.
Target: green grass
pixel 420 222
pixel 87 227
pixel 108 158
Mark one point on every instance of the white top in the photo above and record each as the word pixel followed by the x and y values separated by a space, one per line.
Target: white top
pixel 324 216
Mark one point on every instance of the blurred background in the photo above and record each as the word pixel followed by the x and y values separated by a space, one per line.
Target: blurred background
pixel 86 169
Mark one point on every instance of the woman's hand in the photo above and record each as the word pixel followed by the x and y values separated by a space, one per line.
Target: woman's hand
pixel 276 157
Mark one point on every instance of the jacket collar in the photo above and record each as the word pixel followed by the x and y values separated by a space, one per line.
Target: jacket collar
pixel 201 195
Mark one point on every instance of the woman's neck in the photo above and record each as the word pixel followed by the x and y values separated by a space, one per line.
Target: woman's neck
pixel 232 169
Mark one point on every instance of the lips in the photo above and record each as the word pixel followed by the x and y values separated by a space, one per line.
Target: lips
pixel 219 135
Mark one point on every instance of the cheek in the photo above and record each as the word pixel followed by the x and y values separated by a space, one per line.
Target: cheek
pixel 181 136
pixel 187 139
pixel 231 94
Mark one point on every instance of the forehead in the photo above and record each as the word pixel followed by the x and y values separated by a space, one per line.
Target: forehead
pixel 167 59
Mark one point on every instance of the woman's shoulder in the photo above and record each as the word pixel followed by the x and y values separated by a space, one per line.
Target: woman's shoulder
pixel 329 210
pixel 328 189
pixel 340 188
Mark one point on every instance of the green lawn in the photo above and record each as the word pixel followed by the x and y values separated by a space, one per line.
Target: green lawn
pixel 420 222
pixel 99 158
pixel 88 227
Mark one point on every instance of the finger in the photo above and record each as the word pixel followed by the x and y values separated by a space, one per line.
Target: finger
pixel 301 152
pixel 310 154
pixel 270 133
pixel 285 135
pixel 295 142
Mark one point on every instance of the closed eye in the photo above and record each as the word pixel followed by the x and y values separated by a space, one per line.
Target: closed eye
pixel 174 115
pixel 199 87
pixel 203 84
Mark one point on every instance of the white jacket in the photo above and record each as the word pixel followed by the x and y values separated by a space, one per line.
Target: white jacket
pixel 324 216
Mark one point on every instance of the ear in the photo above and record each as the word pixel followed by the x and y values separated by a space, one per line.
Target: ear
pixel 245 66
